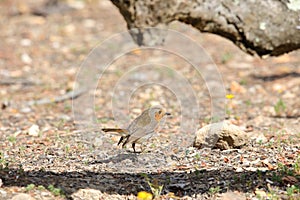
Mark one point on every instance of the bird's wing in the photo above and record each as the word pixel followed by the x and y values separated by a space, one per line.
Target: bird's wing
pixel 140 134
pixel 139 122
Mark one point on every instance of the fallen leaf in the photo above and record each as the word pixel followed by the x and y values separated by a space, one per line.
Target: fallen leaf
pixel 267 164
pixel 226 160
pixel 203 164
pixel 241 158
pixel 182 167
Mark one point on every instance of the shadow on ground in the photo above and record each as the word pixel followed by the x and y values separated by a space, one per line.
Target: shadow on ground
pixel 269 78
pixel 180 183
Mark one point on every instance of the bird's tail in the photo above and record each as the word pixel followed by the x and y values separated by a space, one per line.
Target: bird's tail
pixel 122 132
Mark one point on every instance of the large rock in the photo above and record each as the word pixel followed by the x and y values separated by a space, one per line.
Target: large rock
pixel 248 24
pixel 220 135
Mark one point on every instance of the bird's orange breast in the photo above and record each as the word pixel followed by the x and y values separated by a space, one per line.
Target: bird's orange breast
pixel 158 116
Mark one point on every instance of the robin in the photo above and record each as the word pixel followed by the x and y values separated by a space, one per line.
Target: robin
pixel 141 128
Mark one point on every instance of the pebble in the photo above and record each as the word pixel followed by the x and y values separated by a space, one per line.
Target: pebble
pixel 22 196
pixel 25 110
pixel 87 194
pixel 18 132
pixel 239 169
pixel 233 195
pixel 26 58
pixel 26 42
pixel 3 193
pixel 261 193
pixel 34 130
pixel 45 194
pixel 98 142
pixel 261 139
pixel 278 87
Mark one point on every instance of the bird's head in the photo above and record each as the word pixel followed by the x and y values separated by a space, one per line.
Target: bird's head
pixel 157 113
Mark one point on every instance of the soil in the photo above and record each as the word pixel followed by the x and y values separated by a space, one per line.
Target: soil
pixel 52 146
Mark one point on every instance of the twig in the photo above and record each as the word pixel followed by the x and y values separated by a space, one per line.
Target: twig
pixel 16 81
pixel 57 99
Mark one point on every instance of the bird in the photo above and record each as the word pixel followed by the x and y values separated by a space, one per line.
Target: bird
pixel 141 128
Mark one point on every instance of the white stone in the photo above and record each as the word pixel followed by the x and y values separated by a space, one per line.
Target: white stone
pixel 34 130
pixel 26 58
pixel 22 196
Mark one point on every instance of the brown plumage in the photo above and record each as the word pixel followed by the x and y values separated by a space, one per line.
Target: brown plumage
pixel 141 128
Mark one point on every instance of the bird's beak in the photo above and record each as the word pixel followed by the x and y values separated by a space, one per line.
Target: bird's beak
pixel 167 113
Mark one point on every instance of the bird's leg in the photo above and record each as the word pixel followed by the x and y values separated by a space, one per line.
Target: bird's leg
pixel 121 139
pixel 133 146
pixel 125 142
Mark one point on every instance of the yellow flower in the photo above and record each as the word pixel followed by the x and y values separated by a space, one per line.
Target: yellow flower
pixel 143 195
pixel 229 96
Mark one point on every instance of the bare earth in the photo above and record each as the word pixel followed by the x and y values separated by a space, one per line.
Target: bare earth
pixel 45 155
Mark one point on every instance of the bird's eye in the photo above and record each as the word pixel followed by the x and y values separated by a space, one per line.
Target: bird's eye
pixel 159 112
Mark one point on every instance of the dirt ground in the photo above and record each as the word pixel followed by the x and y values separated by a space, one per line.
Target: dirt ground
pixel 45 155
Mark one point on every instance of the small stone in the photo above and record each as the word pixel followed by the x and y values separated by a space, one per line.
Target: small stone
pixel 239 169
pixel 98 142
pixel 45 194
pixel 87 194
pixel 261 193
pixel 258 137
pixel 18 132
pixel 34 130
pixel 233 195
pixel 261 139
pixel 25 110
pixel 3 194
pixel 250 169
pixel 26 58
pixel 278 87
pixel 25 42
pixel 22 196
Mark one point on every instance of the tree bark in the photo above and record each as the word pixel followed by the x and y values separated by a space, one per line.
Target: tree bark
pixel 262 27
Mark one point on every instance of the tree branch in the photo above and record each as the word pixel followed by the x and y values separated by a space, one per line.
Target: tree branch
pixel 268 27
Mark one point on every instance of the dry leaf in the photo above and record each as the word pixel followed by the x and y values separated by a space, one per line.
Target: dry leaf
pixel 267 164
pixel 226 160
pixel 241 158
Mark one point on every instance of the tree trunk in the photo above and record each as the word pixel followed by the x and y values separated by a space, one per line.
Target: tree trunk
pixel 262 27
